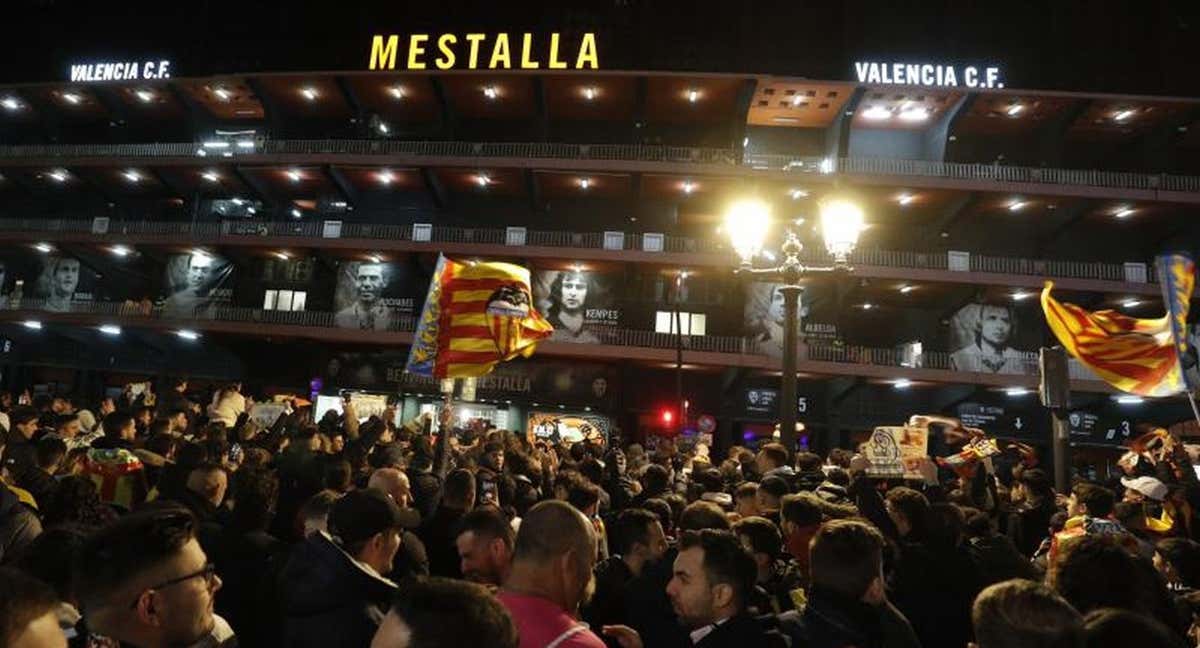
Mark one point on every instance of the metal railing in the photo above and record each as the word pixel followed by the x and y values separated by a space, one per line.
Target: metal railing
pixel 212 232
pixel 722 157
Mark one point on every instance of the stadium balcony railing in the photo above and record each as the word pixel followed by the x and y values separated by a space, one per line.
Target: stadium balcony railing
pixel 731 158
pixel 313 230
pixel 1027 365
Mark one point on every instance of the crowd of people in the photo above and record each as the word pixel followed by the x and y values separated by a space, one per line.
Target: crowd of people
pixel 173 520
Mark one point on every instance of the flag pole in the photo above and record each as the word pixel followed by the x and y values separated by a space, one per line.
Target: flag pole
pixel 1192 401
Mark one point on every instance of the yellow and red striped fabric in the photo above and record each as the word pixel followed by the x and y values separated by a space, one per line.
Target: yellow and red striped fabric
pixel 1134 355
pixel 476 315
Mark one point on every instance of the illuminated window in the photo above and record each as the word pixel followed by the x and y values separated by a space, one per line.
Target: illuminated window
pixel 692 323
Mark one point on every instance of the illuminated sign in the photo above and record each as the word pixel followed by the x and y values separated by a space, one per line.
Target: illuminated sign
pixel 483 51
pixel 928 74
pixel 121 71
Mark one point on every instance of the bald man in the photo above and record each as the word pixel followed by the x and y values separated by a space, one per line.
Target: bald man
pixel 412 559
pixel 551 576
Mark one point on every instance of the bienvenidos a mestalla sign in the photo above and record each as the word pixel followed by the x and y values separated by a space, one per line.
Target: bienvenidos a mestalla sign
pixel 120 71
pixel 928 74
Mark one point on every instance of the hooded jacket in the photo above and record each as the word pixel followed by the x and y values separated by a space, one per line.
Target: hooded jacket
pixel 329 599
pixel 19 526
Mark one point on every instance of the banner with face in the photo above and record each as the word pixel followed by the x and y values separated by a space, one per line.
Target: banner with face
pixel 765 317
pixel 64 281
pixel 197 282
pixel 579 304
pixel 372 296
pixel 986 338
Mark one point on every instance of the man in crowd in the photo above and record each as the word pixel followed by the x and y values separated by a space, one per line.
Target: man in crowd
pixel 145 581
pixel 712 584
pixel 1025 614
pixel 333 589
pixel 27 613
pixel 636 538
pixel 440 531
pixel 485 546
pixel 20 453
pixel 444 613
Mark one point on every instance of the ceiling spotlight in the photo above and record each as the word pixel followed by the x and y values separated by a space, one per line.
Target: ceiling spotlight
pixel 1122 115
pixel 188 335
pixel 589 93
pixel 877 113
pixel 1014 109
pixel 375 258
pixel 584 183
pixel 902 383
pixel 245 144
pixel 44 248
pixel 383 128
pixel 132 175
pixel 10 103
pixel 483 180
pixel 222 94
pixel 58 175
pixel 905 198
pixel 1021 295
pixel 397 92
pixel 110 329
pixel 688 186
pixel 385 177
pixel 905 289
pixel 145 95
pixel 282 256
pixel 200 257
pixel 309 93
pixel 120 250
pixel 797 194
pixel 71 98
pixel 1123 211
pixel 490 92
pixel 32 325
pixel 296 213
pixel 210 176
pixel 293 175
pixel 237 201
pixel 917 114
pixel 1129 399
pixel 693 95
pixel 1017 205
pixel 1016 391
pixel 867 306
pixel 796 100
pixel 1131 303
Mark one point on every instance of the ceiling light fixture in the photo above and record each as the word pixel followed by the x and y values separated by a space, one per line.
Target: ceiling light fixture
pixel 1131 303
pixel 1123 211
pixel 1129 399
pixel 58 175
pixel 589 93
pixel 877 113
pixel 145 95
pixel 693 95
pixel 798 194
pixel 1017 205
pixel 110 329
pixel 483 180
pixel 294 175
pixel 296 213
pixel 905 289
pixel 385 177
pixel 309 93
pixel 222 94
pixel 490 92
pixel 120 250
pixel 1122 115
pixel 905 198
pixel 210 176
pixel 584 183
pixel 1016 391
pixel 32 325
pixel 902 383
pixel 188 335
pixel 375 258
pixel 917 114
pixel 1021 295
pixel 10 103
pixel 44 248
pixel 688 186
pixel 397 92
pixel 72 98
pixel 1014 110
pixel 867 306
pixel 132 175
pixel 282 256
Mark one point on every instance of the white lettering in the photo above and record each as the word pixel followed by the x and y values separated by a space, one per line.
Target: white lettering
pixel 78 72
pixel 927 75
pixel 148 70
pixel 993 77
pixel 951 78
pixel 861 69
pixel 164 69
pixel 971 77
pixel 912 73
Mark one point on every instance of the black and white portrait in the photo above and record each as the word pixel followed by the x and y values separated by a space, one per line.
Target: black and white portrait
pixel 577 304
pixel 982 338
pixel 59 283
pixel 196 282
pixel 371 296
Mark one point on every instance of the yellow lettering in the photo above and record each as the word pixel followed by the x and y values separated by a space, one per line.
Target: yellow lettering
pixel 587 52
pixel 474 39
pixel 500 52
pixel 554 63
pixel 383 56
pixel 446 61
pixel 526 46
pixel 416 47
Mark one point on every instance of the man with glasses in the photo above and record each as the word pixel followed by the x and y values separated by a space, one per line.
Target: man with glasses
pixel 146 582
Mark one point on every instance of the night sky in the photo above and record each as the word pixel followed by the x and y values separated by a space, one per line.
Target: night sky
pixel 1130 47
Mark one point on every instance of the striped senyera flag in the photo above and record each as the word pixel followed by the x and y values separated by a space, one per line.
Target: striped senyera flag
pixel 1138 356
pixel 476 315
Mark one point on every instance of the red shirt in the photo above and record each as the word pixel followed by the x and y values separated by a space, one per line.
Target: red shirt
pixel 540 622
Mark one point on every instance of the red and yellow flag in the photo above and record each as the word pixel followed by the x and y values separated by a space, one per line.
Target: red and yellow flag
pixel 476 315
pixel 1139 356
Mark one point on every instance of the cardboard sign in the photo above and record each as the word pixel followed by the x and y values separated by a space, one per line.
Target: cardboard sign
pixel 896 451
pixel 265 414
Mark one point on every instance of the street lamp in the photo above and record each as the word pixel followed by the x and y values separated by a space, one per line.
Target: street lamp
pixel 748 222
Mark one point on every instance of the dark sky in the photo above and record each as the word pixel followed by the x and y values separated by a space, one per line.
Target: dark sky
pixel 1142 46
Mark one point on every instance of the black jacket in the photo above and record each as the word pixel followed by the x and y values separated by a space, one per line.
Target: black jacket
pixel 741 631
pixel 329 600
pixel 648 609
pixel 20 458
pixel 1029 525
pixel 607 606
pixel 249 564
pixel 834 621
pixel 439 534
pixel 998 560
pixel 19 526
pixel 934 587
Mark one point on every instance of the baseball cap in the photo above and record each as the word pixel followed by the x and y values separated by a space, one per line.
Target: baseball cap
pixel 360 514
pixel 1148 486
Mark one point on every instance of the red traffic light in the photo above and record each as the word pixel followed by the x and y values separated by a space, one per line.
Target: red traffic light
pixel 667 416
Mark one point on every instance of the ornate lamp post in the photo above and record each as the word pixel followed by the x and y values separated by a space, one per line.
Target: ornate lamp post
pixel 748 222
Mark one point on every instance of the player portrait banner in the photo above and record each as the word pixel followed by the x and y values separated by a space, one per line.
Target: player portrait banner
pixel 572 428
pixel 1139 356
pixel 64 281
pixel 476 315
pixel 765 318
pixel 579 304
pixel 988 338
pixel 372 296
pixel 196 283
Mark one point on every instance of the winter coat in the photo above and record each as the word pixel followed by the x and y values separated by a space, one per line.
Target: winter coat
pixel 330 600
pixel 831 620
pixel 19 526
